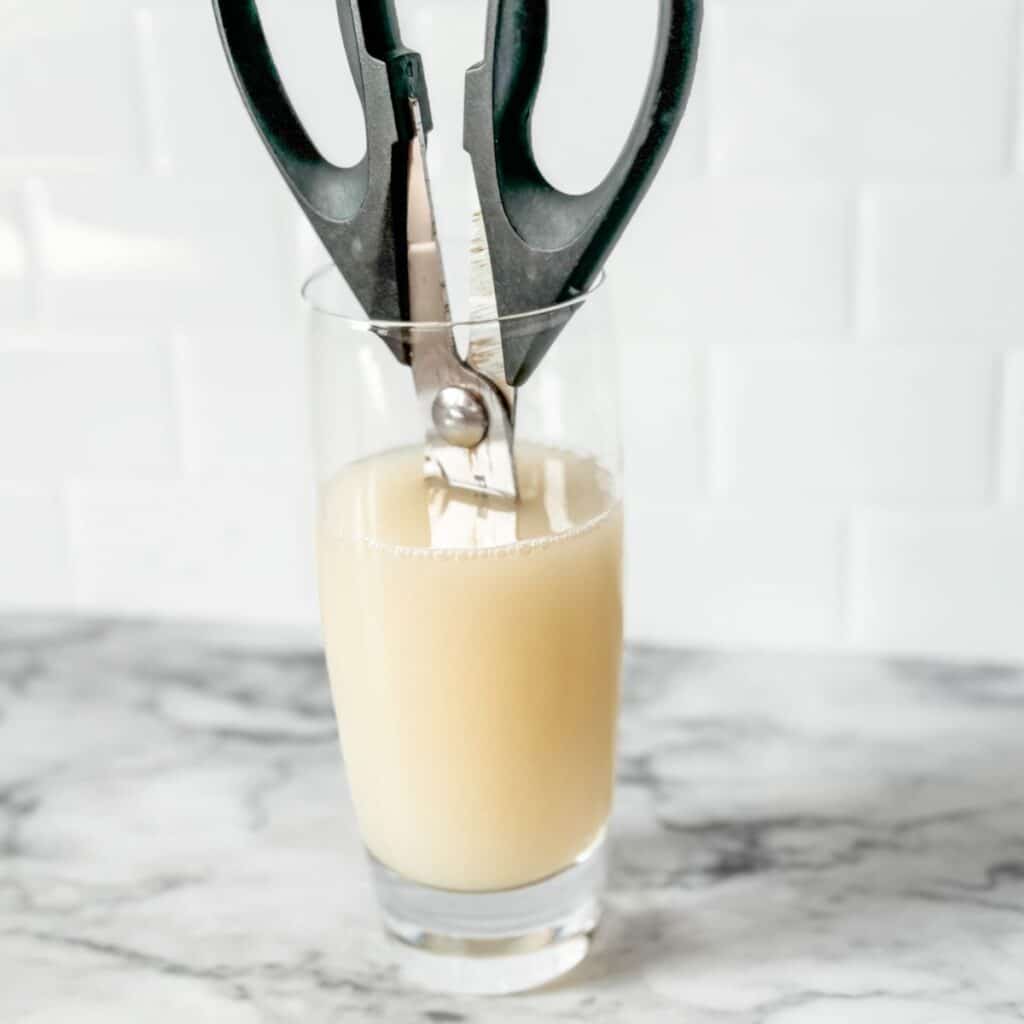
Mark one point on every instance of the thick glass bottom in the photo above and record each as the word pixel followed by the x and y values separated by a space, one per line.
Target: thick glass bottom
pixel 493 943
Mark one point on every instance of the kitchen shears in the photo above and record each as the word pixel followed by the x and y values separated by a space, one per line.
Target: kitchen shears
pixel 376 218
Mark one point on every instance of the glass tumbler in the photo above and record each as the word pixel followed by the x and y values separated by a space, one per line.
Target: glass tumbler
pixel 474 650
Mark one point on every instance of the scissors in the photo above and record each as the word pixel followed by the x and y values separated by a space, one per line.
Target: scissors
pixel 538 247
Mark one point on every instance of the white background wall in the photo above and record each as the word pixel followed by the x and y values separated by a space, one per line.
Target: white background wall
pixel 822 304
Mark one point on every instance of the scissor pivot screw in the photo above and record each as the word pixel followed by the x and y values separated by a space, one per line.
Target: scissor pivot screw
pixel 460 417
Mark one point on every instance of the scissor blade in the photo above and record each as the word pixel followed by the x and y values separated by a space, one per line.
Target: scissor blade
pixel 486 517
pixel 485 354
pixel 428 293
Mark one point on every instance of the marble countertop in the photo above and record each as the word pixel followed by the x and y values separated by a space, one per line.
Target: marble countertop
pixel 796 839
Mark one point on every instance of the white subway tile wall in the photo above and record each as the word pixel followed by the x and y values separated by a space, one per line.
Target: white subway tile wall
pixel 1012 467
pixel 943 260
pixel 1017 131
pixel 242 413
pixel 34 557
pixel 670 376
pixel 118 252
pixel 15 295
pixel 727 575
pixel 70 75
pixel 875 88
pixel 713 259
pixel 196 125
pixel 822 305
pixel 853 423
pixel 939 580
pixel 193 547
pixel 68 413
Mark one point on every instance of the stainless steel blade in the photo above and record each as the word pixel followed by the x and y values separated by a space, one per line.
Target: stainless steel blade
pixel 488 468
pixel 485 354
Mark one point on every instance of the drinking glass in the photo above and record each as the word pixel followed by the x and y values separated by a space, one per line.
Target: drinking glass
pixel 474 651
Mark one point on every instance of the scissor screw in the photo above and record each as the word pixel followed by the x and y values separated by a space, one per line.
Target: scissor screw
pixel 460 417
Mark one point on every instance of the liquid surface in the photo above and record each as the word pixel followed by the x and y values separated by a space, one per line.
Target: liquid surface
pixel 476 689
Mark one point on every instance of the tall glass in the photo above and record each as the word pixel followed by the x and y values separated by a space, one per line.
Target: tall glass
pixel 474 652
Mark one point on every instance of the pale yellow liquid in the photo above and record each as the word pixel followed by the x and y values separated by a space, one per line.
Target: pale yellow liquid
pixel 476 690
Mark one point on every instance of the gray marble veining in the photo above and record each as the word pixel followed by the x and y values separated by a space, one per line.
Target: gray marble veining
pixel 796 839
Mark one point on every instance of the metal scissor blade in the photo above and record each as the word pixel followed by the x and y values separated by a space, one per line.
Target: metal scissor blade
pixel 485 467
pixel 428 293
pixel 485 354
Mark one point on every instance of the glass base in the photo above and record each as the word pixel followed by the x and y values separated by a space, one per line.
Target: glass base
pixel 493 943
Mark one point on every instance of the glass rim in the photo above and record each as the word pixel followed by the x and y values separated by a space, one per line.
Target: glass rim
pixel 365 323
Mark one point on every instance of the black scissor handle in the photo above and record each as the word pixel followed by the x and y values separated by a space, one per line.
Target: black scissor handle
pixel 546 245
pixel 355 210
